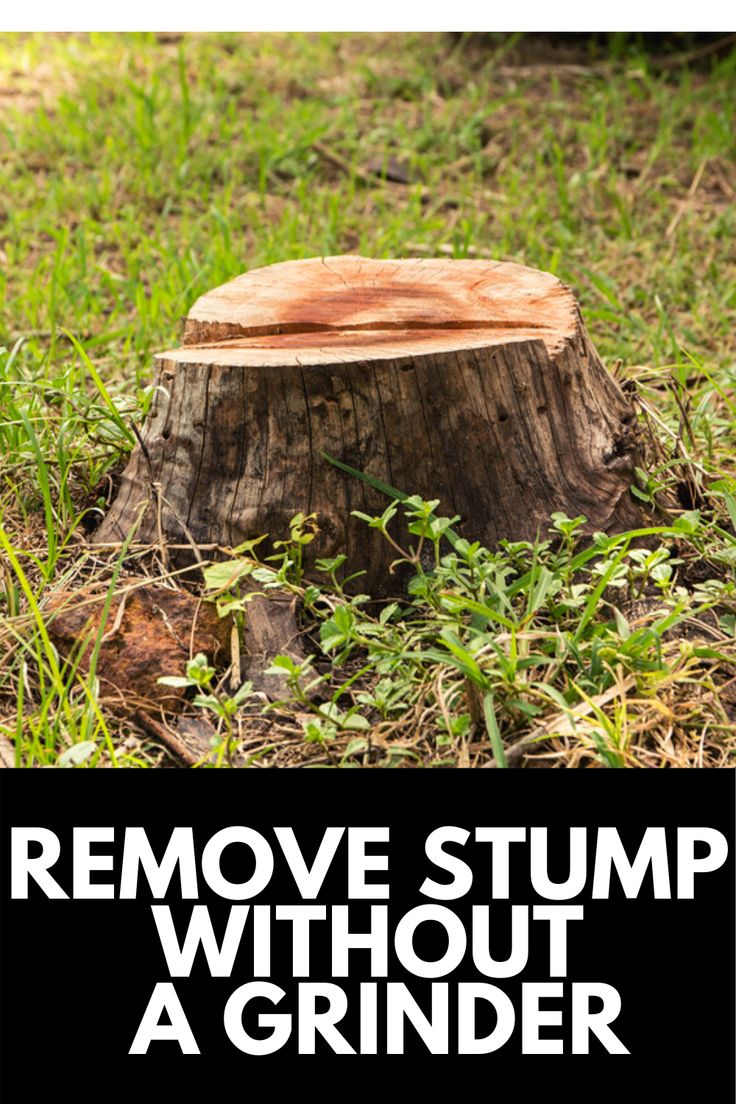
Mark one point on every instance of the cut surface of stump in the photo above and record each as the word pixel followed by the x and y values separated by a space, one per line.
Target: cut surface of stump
pixel 471 382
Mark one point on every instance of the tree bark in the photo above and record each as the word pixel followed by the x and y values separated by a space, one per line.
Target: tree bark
pixel 467 381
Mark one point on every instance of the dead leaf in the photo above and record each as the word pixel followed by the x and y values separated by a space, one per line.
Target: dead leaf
pixel 150 632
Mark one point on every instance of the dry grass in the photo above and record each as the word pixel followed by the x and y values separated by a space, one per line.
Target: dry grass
pixel 137 172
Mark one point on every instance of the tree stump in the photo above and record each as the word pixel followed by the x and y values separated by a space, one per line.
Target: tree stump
pixel 467 381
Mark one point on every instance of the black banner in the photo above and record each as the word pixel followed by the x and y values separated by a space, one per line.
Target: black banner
pixel 569 929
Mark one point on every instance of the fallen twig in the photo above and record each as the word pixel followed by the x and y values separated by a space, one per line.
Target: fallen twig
pixel 165 736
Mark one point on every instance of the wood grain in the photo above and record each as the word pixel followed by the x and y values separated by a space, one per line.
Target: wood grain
pixel 470 382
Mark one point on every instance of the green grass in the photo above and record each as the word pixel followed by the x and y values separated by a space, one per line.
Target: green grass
pixel 135 174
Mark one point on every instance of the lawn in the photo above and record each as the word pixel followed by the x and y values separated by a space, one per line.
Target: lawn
pixel 137 172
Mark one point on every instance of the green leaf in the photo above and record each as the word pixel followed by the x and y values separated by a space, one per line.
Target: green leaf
pixel 330 636
pixel 384 488
pixel 622 624
pixel 247 546
pixel 281 664
pixel 689 522
pixel 466 661
pixel 356 723
pixel 487 612
pixel 223 576
pixel 199 670
pixel 244 692
pixel 355 746
pixel 489 714
pixel 209 701
pixel 114 412
pixel 76 754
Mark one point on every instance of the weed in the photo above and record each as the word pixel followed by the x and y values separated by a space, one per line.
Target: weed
pixel 135 175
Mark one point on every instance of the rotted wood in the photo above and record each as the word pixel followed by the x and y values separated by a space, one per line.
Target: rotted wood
pixel 469 381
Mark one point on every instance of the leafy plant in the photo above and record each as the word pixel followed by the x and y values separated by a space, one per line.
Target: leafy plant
pixel 201 676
